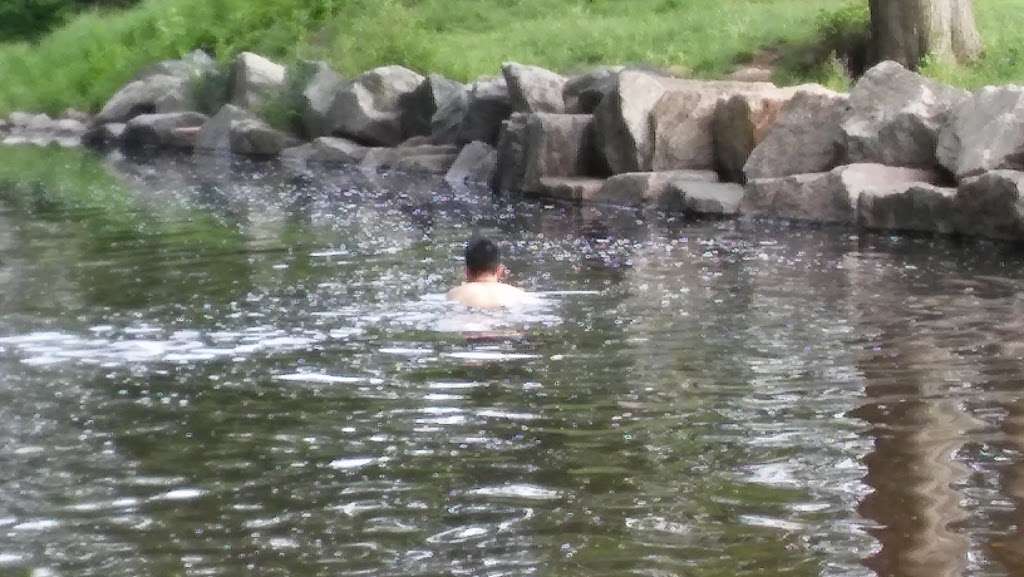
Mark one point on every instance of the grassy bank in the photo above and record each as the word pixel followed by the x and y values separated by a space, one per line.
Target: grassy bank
pixel 83 62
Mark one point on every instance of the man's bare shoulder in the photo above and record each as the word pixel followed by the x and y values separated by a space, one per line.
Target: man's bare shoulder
pixel 488 295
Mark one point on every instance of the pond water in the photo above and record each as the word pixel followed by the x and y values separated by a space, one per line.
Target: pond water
pixel 219 368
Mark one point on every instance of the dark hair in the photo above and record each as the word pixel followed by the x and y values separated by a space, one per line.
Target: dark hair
pixel 482 256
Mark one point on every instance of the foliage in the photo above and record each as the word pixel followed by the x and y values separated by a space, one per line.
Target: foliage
pixel 28 19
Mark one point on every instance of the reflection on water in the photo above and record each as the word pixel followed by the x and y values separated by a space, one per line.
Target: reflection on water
pixel 221 368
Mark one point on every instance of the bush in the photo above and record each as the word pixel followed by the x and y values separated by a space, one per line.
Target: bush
pixel 29 19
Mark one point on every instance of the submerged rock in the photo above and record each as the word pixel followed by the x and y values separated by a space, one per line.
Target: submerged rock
pixel 163 130
pixel 805 138
pixel 101 135
pixel 992 205
pixel 476 163
pixel 369 108
pixel 895 116
pixel 234 129
pixel 826 197
pixel 326 150
pixel 636 189
pixel 436 159
pixel 255 80
pixel 534 89
pixel 914 207
pixel 985 133
pixel 573 189
pixel 704 198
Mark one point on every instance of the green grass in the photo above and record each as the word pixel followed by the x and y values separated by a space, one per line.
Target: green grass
pixel 82 63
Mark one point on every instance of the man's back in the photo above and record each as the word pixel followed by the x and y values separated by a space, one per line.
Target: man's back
pixel 488 295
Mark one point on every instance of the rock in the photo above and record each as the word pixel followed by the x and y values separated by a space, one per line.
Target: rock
pixel 77 115
pixel 743 120
pixel 825 197
pixel 326 150
pixel 704 198
pixel 683 122
pixel 436 98
pixel 412 157
pixel 28 122
pixel 101 135
pixel 192 65
pixel 992 205
pixel 237 130
pixel 583 94
pixel 510 173
pixel 895 116
pixel 153 95
pixel 985 133
pixel 476 163
pixel 534 89
pixel 317 99
pixel 805 138
pixel 638 188
pixel 416 141
pixel 162 130
pixel 41 130
pixel 623 122
pixel 558 145
pixel 369 109
pixel 914 207
pixel 488 105
pixel 575 189
pixel 255 80
pixel 428 163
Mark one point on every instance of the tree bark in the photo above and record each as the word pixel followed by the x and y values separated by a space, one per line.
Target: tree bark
pixel 909 30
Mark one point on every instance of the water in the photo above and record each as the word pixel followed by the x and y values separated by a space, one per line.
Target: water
pixel 216 369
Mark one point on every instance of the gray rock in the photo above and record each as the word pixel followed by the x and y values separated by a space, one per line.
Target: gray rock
pixel 153 95
pixel 636 189
pixel 77 115
pixel 985 133
pixel 583 94
pixel 895 116
pixel 992 205
pixel 825 197
pixel 805 138
pixel 216 133
pixel 534 89
pixel 704 198
pixel 476 163
pixel 26 121
pixel 326 150
pixel 409 158
pixel 488 105
pixel 573 189
pixel 255 80
pixel 101 135
pixel 440 99
pixel 369 109
pixel 914 207
pixel 317 99
pixel 623 121
pixel 162 130
pixel 743 120
pixel 510 174
pixel 438 164
pixel 558 145
pixel 234 129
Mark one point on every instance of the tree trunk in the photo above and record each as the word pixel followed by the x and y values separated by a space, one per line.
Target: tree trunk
pixel 908 30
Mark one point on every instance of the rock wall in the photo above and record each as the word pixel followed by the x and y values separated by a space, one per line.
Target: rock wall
pixel 900 152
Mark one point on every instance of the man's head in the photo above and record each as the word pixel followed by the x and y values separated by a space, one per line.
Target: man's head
pixel 483 259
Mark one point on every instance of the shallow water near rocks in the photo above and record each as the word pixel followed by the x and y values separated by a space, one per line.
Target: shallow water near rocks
pixel 222 368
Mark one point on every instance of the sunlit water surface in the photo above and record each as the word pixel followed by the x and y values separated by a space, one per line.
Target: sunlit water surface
pixel 213 369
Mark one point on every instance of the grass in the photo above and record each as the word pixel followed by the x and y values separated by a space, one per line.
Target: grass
pixel 86 60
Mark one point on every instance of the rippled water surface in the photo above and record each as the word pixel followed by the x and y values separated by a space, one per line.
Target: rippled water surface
pixel 213 369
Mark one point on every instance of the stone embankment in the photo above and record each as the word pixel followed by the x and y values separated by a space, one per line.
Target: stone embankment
pixel 900 152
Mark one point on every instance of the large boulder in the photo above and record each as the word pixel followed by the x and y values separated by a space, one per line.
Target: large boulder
pixel 426 158
pixel 163 130
pixel 237 130
pixel 317 99
pixel 436 98
pixel 489 104
pixel 583 94
pixel 826 197
pixel 369 109
pixel 558 145
pixel 743 120
pixel 702 198
pixel 255 80
pixel 914 207
pixel 510 174
pixel 476 163
pixel 534 89
pixel 326 150
pixel 984 133
pixel 154 94
pixel 623 121
pixel 635 189
pixel 683 122
pixel 805 138
pixel 992 205
pixel 571 188
pixel 895 116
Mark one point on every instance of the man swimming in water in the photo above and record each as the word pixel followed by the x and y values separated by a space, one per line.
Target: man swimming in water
pixel 484 287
